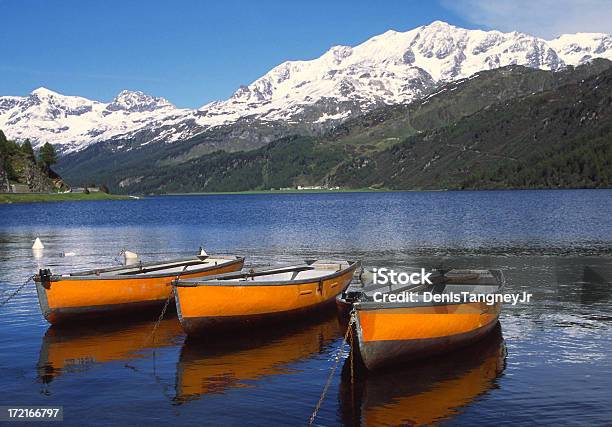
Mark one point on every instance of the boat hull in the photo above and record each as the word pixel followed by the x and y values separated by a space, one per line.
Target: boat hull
pixel 66 299
pixel 209 309
pixel 217 324
pixel 343 310
pixel 388 336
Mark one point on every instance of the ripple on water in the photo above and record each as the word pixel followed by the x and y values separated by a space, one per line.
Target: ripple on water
pixel 557 369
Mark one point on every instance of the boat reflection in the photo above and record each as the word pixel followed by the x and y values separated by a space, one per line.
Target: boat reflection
pixel 77 350
pixel 425 392
pixel 213 367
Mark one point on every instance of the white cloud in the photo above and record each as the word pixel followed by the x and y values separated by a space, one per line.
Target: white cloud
pixel 543 18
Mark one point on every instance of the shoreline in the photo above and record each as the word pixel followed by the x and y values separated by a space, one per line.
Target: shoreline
pixel 10 198
pixel 292 191
pixel 362 190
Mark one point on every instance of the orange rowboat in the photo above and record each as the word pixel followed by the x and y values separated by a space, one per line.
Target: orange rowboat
pixel 234 300
pixel 126 289
pixel 395 332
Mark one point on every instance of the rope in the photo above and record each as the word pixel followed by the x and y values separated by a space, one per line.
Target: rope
pixel 165 387
pixel 116 257
pixel 12 295
pixel 348 333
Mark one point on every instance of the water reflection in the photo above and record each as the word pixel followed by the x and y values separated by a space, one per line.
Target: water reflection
pixel 78 350
pixel 544 241
pixel 584 281
pixel 425 392
pixel 214 367
pixel 596 284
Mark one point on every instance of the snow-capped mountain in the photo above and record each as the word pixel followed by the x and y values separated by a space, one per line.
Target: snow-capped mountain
pixel 73 122
pixel 394 67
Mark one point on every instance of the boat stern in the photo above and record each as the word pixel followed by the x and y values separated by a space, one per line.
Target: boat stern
pixel 43 283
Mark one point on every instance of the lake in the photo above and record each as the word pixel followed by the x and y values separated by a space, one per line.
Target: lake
pixel 550 361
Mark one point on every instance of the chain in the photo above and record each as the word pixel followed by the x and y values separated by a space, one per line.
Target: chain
pixel 352 357
pixel 159 319
pixel 348 333
pixel 12 295
pixel 163 312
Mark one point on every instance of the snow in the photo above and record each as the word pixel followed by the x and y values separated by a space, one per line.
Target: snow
pixel 326 117
pixel 393 67
pixel 73 122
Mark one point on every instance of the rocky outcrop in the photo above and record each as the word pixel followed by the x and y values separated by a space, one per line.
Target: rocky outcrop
pixel 26 172
pixel 36 179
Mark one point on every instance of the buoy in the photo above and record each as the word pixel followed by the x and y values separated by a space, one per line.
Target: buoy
pixel 64 254
pixel 130 257
pixel 38 244
pixel 202 252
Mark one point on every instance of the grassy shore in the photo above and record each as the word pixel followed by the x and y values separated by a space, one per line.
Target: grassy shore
pixel 56 197
pixel 290 191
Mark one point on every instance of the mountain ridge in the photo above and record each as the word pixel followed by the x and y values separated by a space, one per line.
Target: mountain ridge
pixel 390 68
pixel 366 151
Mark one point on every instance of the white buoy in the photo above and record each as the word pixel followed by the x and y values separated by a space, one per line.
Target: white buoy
pixel 130 257
pixel 64 254
pixel 202 253
pixel 38 244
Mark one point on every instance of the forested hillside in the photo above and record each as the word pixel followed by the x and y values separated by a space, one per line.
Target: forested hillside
pixel 19 165
pixel 513 127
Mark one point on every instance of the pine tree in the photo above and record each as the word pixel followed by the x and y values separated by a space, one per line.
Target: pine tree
pixel 27 149
pixel 47 155
pixel 7 149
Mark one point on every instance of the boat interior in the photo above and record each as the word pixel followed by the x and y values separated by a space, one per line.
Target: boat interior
pixel 311 270
pixel 156 268
pixel 443 282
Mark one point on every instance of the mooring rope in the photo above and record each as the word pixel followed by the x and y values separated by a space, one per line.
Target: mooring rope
pixel 330 377
pixel 116 257
pixel 14 294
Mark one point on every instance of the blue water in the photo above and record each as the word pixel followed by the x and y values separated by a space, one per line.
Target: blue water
pixel 552 361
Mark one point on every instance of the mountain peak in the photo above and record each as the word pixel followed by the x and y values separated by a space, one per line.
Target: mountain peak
pixel 137 101
pixel 395 67
pixel 44 92
pixel 440 24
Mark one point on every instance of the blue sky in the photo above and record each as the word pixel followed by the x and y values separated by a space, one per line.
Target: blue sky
pixel 193 52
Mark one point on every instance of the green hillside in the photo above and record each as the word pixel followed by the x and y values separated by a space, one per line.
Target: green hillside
pixel 557 138
pixel 513 127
